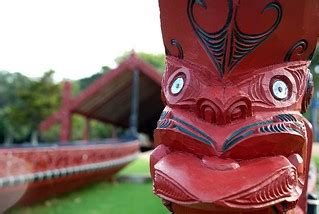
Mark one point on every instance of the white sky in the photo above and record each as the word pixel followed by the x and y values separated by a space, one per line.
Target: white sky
pixel 74 37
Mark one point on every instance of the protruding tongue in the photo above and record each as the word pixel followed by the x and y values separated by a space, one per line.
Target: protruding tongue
pixel 212 179
pixel 215 163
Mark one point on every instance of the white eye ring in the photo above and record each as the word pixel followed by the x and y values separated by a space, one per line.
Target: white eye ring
pixel 177 85
pixel 280 89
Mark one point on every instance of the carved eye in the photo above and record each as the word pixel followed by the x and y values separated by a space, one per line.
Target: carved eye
pixel 177 85
pixel 280 90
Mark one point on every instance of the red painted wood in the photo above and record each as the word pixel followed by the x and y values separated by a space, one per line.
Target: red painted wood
pixel 41 191
pixel 17 162
pixel 38 159
pixel 66 116
pixel 232 138
pixel 66 126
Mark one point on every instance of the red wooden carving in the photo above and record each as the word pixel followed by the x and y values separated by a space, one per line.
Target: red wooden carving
pixel 232 137
pixel 32 174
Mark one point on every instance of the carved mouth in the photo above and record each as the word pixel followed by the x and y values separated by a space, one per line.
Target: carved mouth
pixel 221 173
pixel 185 179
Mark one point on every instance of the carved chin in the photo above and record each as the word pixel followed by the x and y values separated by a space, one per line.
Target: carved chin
pixel 186 179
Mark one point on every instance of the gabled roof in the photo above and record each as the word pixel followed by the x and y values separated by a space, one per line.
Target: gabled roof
pixel 108 99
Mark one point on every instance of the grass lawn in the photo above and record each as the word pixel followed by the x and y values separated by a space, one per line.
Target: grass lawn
pixel 139 166
pixel 104 198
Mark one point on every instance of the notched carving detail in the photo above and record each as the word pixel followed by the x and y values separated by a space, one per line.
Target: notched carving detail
pixel 299 48
pixel 229 46
pixel 176 44
pixel 283 185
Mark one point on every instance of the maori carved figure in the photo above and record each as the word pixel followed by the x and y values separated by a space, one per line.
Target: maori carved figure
pixel 232 138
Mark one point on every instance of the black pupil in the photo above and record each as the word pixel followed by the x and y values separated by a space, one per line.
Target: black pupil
pixel 280 89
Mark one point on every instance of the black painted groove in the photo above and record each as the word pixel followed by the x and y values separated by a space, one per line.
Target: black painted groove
pixel 164 123
pixel 179 47
pixel 246 128
pixel 235 44
pixel 286 118
pixel 232 142
pixel 164 113
pixel 303 44
pixel 193 135
pixel 195 129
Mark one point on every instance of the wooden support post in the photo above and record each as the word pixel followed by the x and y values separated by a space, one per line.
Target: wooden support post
pixel 134 103
pixel 66 115
pixel 66 127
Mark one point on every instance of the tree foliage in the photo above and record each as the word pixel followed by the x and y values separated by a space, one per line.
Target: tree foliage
pixel 10 84
pixel 33 102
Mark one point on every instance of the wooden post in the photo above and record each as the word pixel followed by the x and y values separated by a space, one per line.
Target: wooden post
pixel 232 137
pixel 134 103
pixel 66 114
pixel 66 127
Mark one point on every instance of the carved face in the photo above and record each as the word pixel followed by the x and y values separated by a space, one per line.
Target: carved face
pixel 231 135
pixel 249 128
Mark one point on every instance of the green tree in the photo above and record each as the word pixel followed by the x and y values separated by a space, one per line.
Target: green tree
pixel 85 82
pixel 52 135
pixel 100 130
pixel 10 83
pixel 81 84
pixel 34 102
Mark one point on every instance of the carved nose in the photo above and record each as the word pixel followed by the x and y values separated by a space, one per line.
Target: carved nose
pixel 240 109
pixel 210 112
pixel 219 115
